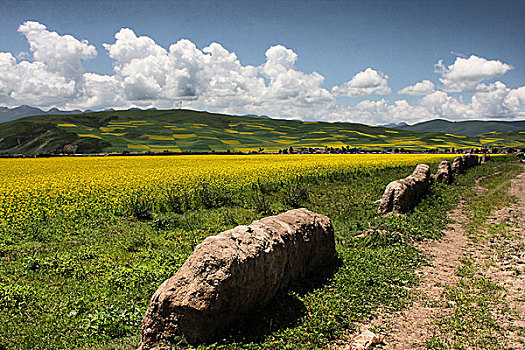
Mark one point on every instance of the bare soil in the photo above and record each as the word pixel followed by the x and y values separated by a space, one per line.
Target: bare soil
pixel 409 328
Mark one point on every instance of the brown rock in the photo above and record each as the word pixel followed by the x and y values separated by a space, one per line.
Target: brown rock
pixel 231 273
pixel 470 160
pixel 402 195
pixel 444 172
pixel 365 340
pixel 457 165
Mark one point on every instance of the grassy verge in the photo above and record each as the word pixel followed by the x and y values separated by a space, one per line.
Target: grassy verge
pixel 87 284
pixel 476 304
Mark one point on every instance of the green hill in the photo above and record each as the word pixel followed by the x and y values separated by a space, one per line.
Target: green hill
pixel 467 128
pixel 191 131
pixel 504 139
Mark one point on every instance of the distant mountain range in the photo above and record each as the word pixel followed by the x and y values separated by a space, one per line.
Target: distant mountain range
pixel 257 116
pixel 395 125
pixel 8 114
pixel 467 128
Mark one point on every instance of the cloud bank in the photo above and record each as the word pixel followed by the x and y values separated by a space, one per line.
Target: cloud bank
pixel 146 75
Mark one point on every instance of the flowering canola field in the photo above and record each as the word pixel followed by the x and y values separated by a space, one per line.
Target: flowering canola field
pixel 70 188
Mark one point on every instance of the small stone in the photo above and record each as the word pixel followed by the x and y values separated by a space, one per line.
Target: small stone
pixel 365 340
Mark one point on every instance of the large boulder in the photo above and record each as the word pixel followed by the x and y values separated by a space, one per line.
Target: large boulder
pixel 470 160
pixel 229 274
pixel 402 195
pixel 444 172
pixel 457 165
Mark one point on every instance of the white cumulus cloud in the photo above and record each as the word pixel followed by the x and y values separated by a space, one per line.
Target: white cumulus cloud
pixel 515 102
pixel 424 87
pixel 55 74
pixel 60 53
pixel 490 100
pixel 287 83
pixel 382 112
pixel 367 82
pixel 32 83
pixel 445 106
pixel 465 74
pixel 493 100
pixel 211 78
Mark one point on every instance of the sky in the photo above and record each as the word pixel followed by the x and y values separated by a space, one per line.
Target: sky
pixel 372 62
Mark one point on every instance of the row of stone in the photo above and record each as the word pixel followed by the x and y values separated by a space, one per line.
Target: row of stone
pixel 402 195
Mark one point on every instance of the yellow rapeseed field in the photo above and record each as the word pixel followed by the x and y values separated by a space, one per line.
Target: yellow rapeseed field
pixel 44 188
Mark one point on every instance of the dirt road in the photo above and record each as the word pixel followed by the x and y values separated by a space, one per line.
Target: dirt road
pixel 501 259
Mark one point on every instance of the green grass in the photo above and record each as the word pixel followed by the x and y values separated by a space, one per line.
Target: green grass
pixel 191 131
pixel 87 283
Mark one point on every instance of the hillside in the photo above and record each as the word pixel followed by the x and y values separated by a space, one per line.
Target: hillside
pixel 467 128
pixel 191 131
pixel 504 139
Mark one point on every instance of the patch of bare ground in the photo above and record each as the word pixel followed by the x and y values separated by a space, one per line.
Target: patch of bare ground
pixel 408 329
pixel 502 260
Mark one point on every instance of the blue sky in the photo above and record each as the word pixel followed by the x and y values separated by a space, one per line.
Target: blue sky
pixel 400 40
